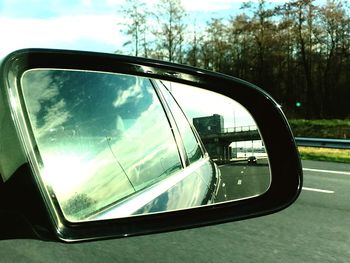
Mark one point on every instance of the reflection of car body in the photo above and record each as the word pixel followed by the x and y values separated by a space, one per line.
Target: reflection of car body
pixel 195 183
pixel 125 140
pixel 100 145
pixel 252 160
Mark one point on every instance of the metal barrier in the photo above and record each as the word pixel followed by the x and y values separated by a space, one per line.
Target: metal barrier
pixel 239 129
pixel 323 143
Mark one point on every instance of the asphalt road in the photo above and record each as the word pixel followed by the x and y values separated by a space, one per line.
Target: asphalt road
pixel 314 229
pixel 240 180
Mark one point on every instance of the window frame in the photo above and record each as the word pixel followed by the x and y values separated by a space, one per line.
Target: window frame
pixel 179 136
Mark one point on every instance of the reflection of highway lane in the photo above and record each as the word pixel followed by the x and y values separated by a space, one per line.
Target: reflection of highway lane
pixel 240 180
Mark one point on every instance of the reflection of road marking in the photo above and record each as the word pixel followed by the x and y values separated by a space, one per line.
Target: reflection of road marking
pixel 239 182
pixel 325 171
pixel 318 190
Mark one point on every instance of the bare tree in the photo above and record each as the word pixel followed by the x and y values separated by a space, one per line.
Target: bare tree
pixel 135 27
pixel 299 51
pixel 216 45
pixel 170 34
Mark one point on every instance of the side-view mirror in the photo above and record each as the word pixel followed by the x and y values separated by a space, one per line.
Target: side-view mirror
pixel 98 146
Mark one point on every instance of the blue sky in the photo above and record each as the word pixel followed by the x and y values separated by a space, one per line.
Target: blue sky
pixel 82 24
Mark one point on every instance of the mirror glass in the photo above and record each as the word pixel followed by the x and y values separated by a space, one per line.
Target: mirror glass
pixel 114 145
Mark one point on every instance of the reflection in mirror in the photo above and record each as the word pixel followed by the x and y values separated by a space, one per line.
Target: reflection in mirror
pixel 114 145
pixel 232 139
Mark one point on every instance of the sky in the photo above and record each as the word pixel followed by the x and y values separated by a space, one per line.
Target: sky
pixel 92 25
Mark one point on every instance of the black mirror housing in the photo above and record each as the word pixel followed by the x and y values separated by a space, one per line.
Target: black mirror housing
pixel 32 205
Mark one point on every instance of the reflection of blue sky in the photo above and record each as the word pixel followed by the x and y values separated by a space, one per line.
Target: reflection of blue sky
pixel 56 98
pixel 93 129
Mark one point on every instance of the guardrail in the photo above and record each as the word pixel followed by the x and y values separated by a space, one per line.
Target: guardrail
pixel 323 143
pixel 239 129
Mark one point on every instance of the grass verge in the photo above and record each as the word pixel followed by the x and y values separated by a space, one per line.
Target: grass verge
pixel 324 154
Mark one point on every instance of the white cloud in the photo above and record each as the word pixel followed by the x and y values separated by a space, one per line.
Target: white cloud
pixel 56 115
pixel 90 25
pixel 115 2
pixel 38 88
pixel 133 93
pixel 209 5
pixel 69 32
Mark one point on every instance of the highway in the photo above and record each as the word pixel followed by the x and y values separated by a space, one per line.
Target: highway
pixel 314 229
pixel 240 180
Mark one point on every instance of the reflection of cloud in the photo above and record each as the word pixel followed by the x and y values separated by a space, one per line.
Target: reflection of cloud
pixel 132 93
pixel 56 116
pixel 101 166
pixel 137 152
pixel 39 90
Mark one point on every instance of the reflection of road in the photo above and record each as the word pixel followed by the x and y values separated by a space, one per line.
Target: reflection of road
pixel 240 180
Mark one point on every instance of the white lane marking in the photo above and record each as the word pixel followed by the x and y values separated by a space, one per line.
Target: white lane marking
pixel 326 171
pixel 318 190
pixel 239 182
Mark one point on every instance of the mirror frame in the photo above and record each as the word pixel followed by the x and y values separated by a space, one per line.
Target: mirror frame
pixel 285 165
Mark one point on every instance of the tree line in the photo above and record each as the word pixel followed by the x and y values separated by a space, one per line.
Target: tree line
pixel 299 51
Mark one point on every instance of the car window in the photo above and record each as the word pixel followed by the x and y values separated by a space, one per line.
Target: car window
pixel 95 135
pixel 191 144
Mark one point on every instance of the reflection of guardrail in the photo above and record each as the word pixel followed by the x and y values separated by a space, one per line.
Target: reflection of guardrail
pixel 323 143
pixel 239 129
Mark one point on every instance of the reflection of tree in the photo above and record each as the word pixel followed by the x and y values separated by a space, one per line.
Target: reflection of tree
pixel 78 205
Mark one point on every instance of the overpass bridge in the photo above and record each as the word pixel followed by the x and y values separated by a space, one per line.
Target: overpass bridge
pixel 235 134
pixel 218 144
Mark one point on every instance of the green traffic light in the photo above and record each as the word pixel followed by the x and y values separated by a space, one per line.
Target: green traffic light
pixel 298 104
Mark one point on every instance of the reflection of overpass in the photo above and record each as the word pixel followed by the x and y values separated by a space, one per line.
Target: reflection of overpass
pixel 229 135
pixel 218 144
